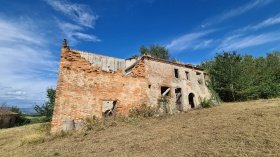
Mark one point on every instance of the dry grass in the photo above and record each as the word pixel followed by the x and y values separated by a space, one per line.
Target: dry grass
pixel 231 129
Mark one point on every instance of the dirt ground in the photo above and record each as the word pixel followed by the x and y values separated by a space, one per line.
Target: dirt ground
pixel 230 129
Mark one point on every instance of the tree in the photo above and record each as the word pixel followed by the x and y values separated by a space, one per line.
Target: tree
pixel 21 119
pixel 16 110
pixel 268 75
pixel 47 108
pixel 134 56
pixel 223 71
pixel 155 51
pixel 235 77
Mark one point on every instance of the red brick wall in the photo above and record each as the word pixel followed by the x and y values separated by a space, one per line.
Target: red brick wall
pixel 82 88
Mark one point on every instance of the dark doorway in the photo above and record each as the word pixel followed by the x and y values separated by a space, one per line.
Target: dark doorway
pixel 178 94
pixel 191 100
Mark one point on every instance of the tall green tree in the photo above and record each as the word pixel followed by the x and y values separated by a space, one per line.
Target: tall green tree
pixel 223 71
pixel 245 79
pixel 235 77
pixel 269 82
pixel 47 108
pixel 155 51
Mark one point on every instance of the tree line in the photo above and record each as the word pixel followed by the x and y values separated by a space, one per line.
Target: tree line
pixel 238 77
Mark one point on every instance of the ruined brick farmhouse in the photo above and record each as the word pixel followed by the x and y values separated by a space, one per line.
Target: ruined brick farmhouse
pixel 91 85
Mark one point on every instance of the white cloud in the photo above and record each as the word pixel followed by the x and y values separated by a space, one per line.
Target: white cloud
pixel 10 33
pixel 79 13
pixel 269 22
pixel 74 33
pixel 203 44
pixel 266 23
pixel 82 17
pixel 190 41
pixel 86 37
pixel 69 27
pixel 237 42
pixel 27 67
pixel 17 93
pixel 196 40
pixel 236 11
pixel 243 37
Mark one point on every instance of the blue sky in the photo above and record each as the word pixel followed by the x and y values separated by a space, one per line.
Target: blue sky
pixel 31 33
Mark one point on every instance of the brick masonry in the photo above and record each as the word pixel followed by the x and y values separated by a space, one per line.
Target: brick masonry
pixel 82 86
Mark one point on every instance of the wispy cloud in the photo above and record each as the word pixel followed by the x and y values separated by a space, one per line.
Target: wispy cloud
pixel 236 11
pixel 10 33
pixel 248 36
pixel 69 27
pixel 82 18
pixel 196 40
pixel 86 37
pixel 237 42
pixel 75 32
pixel 190 40
pixel 203 44
pixel 266 23
pixel 79 13
pixel 269 22
pixel 24 58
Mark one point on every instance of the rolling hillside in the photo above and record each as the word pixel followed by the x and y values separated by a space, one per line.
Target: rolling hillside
pixel 233 129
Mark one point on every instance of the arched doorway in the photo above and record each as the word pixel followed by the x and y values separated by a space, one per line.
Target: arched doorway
pixel 191 100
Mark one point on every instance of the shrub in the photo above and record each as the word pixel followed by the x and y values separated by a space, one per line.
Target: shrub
pixel 44 128
pixel 134 117
pixel 21 119
pixel 142 111
pixel 94 124
pixel 16 110
pixel 37 119
pixel 206 103
pixel 163 103
pixel 46 109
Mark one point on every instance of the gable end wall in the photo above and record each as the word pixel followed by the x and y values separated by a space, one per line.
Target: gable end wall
pixel 82 88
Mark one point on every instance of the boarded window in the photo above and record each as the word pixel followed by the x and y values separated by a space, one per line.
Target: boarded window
pixel 108 107
pixel 176 72
pixel 178 93
pixel 165 91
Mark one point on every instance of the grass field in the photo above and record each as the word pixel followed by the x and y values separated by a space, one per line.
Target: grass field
pixel 230 129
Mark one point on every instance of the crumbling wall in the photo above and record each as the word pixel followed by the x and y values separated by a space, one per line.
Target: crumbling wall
pixel 161 74
pixel 105 63
pixel 82 88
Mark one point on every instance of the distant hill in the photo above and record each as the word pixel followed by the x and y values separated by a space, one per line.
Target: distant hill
pixel 28 111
